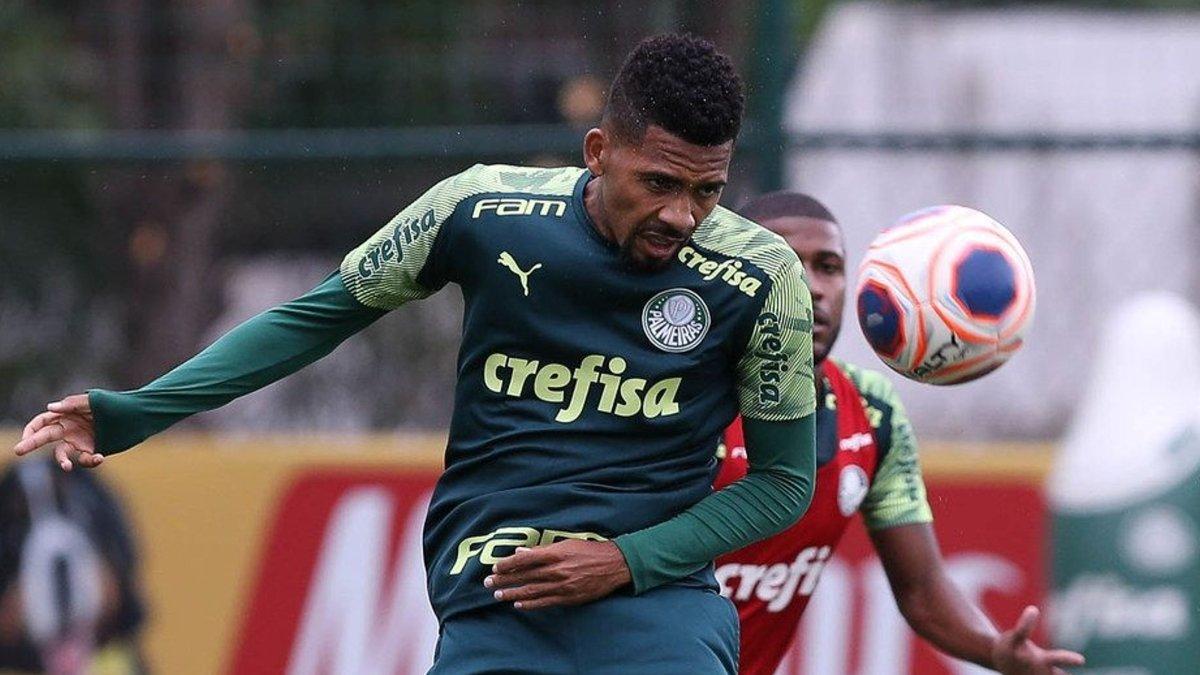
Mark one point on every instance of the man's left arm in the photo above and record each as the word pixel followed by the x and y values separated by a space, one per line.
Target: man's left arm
pixel 777 402
pixel 898 517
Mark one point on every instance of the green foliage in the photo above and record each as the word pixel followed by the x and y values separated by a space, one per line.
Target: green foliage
pixel 325 63
pixel 1106 4
pixel 46 79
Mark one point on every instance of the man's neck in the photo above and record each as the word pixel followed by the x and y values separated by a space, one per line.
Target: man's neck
pixel 594 207
pixel 819 378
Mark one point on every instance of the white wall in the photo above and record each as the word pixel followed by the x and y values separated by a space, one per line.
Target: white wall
pixel 1099 226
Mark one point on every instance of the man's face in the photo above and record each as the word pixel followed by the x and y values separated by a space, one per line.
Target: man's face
pixel 823 252
pixel 653 194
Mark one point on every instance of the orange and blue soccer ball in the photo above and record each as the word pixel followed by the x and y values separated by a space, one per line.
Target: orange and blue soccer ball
pixel 945 295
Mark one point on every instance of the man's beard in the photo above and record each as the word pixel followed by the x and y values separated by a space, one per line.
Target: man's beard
pixel 630 260
pixel 647 264
pixel 833 336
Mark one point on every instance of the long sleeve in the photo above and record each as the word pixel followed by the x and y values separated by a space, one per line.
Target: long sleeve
pixel 270 346
pixel 777 399
pixel 775 493
pixel 396 265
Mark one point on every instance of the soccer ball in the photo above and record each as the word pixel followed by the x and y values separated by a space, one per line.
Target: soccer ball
pixel 945 294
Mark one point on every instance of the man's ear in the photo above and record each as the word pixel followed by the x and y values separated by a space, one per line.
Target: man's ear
pixel 596 148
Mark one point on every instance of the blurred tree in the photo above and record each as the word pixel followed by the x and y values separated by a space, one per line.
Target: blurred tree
pixel 180 65
pixel 48 79
pixel 1113 4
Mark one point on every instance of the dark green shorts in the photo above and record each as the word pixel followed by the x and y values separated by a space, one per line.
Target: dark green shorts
pixel 670 629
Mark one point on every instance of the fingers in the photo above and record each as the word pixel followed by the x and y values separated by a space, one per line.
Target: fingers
pixel 538 596
pixel 76 403
pixel 62 455
pixel 38 422
pixel 524 567
pixel 46 430
pixel 544 602
pixel 51 432
pixel 523 559
pixel 527 579
pixel 1062 657
pixel 89 460
pixel 520 578
pixel 67 456
pixel 527 593
pixel 1026 624
pixel 67 426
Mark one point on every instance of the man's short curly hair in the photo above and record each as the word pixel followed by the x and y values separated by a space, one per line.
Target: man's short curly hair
pixel 785 204
pixel 680 83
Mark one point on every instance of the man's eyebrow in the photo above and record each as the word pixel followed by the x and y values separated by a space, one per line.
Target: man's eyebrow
pixel 675 180
pixel 654 173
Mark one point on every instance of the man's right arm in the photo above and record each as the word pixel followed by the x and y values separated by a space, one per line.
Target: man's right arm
pixel 401 262
pixel 268 347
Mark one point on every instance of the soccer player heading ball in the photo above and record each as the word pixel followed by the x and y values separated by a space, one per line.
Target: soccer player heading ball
pixel 616 321
pixel 867 462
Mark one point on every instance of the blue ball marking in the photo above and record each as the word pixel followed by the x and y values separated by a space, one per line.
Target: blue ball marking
pixel 986 283
pixel 880 320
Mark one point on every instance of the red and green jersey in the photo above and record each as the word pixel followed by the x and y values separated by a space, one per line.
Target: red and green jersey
pixel 867 463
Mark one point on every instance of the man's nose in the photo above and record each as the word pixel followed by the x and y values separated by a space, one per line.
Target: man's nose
pixel 815 288
pixel 678 215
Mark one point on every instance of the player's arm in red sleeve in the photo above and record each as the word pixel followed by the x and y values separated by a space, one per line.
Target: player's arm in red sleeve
pixel 939 612
pixel 931 604
pixel 897 514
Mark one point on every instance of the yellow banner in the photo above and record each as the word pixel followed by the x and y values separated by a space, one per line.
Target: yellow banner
pixel 206 511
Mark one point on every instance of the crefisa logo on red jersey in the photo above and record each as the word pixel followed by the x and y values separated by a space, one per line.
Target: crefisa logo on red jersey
pixel 775 584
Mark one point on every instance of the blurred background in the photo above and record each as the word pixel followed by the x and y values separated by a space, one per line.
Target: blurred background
pixel 168 169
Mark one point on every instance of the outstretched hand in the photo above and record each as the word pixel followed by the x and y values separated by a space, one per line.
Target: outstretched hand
pixel 1015 654
pixel 68 425
pixel 569 572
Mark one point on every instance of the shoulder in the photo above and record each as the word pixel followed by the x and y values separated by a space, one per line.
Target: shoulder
pixel 509 179
pixel 872 384
pixel 728 234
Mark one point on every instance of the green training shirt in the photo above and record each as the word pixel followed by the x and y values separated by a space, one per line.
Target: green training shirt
pixel 897 493
pixel 589 395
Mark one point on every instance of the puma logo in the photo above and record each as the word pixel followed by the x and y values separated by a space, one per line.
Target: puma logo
pixel 506 259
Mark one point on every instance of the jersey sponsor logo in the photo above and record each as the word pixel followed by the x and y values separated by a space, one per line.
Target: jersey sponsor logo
pixel 729 270
pixel 620 396
pixel 519 206
pixel 853 485
pixel 676 320
pixel 392 248
pixel 775 584
pixel 773 362
pixel 507 261
pixel 494 546
pixel 856 442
